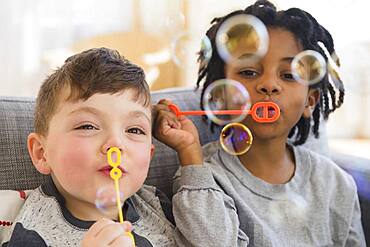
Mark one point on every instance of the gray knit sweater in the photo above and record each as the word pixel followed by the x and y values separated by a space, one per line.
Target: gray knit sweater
pixel 222 204
pixel 45 221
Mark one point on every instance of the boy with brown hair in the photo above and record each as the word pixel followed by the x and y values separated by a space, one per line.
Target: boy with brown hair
pixel 95 101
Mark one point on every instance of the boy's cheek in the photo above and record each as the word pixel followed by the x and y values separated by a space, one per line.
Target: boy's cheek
pixel 74 157
pixel 76 152
pixel 140 156
pixel 142 163
pixel 145 159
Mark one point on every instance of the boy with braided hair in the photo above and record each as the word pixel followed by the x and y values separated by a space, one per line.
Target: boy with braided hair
pixel 278 193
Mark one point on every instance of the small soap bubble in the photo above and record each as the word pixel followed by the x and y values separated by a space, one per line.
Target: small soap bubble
pixel 242 39
pixel 226 94
pixel 181 48
pixel 205 52
pixel 308 67
pixel 175 23
pixel 236 138
pixel 106 199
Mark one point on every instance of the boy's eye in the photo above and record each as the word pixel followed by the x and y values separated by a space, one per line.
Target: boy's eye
pixel 248 73
pixel 136 131
pixel 87 127
pixel 288 76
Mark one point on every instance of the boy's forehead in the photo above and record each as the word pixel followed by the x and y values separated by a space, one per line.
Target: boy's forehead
pixel 108 104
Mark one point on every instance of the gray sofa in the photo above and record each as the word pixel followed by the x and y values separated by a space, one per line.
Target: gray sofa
pixel 17 172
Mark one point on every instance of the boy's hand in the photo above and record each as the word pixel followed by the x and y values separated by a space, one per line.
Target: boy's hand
pixel 106 232
pixel 177 132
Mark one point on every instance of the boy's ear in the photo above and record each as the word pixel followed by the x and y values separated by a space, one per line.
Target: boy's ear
pixel 312 99
pixel 35 145
pixel 152 149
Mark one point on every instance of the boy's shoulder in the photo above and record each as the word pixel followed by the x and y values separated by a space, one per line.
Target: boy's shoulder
pixel 323 170
pixel 24 237
pixel 148 194
pixel 314 167
pixel 154 216
pixel 41 218
pixel 210 149
pixel 212 157
pixel 149 198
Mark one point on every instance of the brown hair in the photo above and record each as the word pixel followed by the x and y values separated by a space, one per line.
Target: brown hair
pixel 98 70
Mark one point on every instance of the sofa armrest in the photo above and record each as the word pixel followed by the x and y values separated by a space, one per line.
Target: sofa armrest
pixel 351 162
pixel 359 168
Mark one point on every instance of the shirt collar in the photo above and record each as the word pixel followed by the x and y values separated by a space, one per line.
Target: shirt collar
pixel 129 210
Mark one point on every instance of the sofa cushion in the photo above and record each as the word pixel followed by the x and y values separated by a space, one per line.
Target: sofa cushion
pixel 165 162
pixel 18 173
pixel 16 122
pixel 11 202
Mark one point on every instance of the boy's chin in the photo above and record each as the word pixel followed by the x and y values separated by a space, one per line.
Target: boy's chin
pixel 267 133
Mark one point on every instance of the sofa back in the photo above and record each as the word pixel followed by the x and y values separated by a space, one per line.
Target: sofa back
pixel 18 173
pixel 16 122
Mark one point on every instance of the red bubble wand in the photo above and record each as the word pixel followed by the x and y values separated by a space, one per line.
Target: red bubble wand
pixel 265 106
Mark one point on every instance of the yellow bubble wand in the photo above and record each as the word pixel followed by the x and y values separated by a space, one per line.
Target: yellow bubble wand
pixel 116 174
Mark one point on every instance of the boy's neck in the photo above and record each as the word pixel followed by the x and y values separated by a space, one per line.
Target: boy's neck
pixel 88 212
pixel 271 161
pixel 84 210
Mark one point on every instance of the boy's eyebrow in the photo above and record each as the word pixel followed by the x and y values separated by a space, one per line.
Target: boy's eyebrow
pixel 87 109
pixel 138 114
pixel 246 55
pixel 132 114
pixel 250 55
pixel 287 59
pixel 290 60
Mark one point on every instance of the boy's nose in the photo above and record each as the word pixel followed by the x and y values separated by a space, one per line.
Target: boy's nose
pixel 109 145
pixel 269 87
pixel 106 149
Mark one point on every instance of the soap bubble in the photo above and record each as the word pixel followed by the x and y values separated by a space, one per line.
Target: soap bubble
pixel 226 94
pixel 242 39
pixel 181 48
pixel 205 52
pixel 308 67
pixel 106 199
pixel 175 23
pixel 236 138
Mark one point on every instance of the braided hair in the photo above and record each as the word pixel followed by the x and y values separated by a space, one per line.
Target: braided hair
pixel 310 34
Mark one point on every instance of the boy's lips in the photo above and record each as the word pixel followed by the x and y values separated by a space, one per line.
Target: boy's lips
pixel 271 111
pixel 107 168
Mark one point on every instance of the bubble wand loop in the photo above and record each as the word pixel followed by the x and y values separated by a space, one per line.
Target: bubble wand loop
pixel 116 174
pixel 265 106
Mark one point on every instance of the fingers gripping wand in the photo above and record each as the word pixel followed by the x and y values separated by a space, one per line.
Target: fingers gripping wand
pixel 116 174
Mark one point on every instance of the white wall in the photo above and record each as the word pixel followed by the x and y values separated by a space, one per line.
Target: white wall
pixel 347 21
pixel 36 36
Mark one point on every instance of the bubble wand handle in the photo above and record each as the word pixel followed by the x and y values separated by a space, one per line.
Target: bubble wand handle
pixel 264 106
pixel 217 112
pixel 116 174
pixel 118 198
